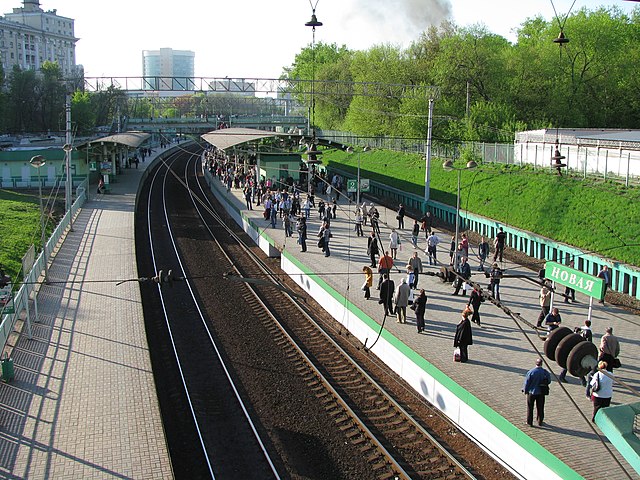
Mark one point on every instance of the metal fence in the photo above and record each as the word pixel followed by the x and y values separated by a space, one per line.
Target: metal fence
pixel 595 160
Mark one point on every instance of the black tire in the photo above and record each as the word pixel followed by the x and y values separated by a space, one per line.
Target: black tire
pixel 553 339
pixel 565 346
pixel 579 355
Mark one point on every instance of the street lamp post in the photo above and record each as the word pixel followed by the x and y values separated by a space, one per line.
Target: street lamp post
pixel 67 147
pixel 37 162
pixel 350 150
pixel 448 165
pixel 312 152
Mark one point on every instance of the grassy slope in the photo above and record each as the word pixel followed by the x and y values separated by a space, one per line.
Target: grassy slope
pixel 596 216
pixel 19 228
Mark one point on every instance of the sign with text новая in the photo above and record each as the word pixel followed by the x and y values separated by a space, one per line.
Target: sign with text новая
pixel 572 278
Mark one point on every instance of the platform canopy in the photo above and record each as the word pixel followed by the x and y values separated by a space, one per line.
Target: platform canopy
pixel 231 137
pixel 128 139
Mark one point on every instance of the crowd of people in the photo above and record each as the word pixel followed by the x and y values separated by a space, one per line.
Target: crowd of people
pixel 398 280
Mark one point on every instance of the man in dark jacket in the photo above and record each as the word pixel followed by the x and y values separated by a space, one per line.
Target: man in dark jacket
pixel 387 287
pixel 475 299
pixel 302 233
pixel 536 386
pixel 464 272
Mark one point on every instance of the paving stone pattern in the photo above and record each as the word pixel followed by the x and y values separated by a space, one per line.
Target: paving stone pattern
pixel 83 403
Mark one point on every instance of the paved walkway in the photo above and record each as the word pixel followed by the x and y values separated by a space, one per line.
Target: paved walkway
pixel 83 403
pixel 501 353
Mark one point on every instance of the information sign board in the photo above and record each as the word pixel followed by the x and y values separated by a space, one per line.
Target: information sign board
pixel 572 278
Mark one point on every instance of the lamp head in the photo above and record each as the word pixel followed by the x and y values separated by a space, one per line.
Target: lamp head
pixel 448 165
pixel 313 22
pixel 366 148
pixel 561 40
pixel 67 147
pixel 349 149
pixel 471 164
pixel 37 161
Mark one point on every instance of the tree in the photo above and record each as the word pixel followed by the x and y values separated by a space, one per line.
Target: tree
pixel 82 113
pixel 23 103
pixel 52 98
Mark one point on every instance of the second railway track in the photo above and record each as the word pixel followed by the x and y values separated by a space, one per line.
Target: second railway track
pixel 319 411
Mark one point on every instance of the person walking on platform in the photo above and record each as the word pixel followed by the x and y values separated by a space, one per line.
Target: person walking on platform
pixel 286 225
pixel 247 197
pixel 416 264
pixel 570 293
pixel 426 224
pixel 358 223
pixel 326 234
pixel 432 247
pixel 463 247
pixel 374 218
pixel 605 275
pixel 553 319
pixel 544 298
pixel 499 243
pixel 368 281
pixel 306 206
pixel 401 300
pixel 420 304
pixel 372 249
pixel 494 283
pixel 394 243
pixel 384 266
pixel 475 300
pixel 464 274
pixel 365 213
pixel 273 215
pixel 415 233
pixel 400 217
pixel 387 287
pixel 483 253
pixel 464 336
pixel 302 233
pixel 601 389
pixel 609 350
pixel 452 251
pixel 536 387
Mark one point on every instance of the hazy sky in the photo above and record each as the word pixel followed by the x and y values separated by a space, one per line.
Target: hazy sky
pixel 256 38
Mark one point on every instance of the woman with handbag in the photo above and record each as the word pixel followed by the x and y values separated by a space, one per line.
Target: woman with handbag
pixel 601 389
pixel 368 281
pixel 464 336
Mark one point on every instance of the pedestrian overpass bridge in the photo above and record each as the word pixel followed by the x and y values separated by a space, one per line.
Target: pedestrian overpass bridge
pixel 199 125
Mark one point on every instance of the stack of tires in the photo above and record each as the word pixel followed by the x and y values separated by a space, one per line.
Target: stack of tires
pixel 571 351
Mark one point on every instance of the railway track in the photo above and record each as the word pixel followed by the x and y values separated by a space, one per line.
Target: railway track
pixel 378 434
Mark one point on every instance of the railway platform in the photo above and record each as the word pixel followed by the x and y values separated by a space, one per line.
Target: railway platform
pixel 83 402
pixel 503 350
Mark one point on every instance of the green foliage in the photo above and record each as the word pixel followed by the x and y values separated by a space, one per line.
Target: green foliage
pixel 596 217
pixel 82 112
pixel 590 82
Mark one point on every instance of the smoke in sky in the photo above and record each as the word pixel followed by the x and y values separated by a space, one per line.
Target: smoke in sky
pixel 394 21
pixel 418 14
